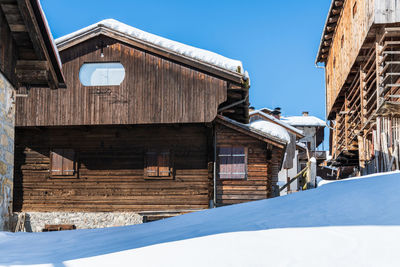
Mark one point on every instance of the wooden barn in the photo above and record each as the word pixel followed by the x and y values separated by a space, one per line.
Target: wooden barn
pixel 146 126
pixel 360 50
pixel 28 58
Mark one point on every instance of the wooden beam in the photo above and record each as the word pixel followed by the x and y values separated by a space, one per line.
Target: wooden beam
pixel 34 77
pixel 33 29
pixel 32 64
pixel 17 28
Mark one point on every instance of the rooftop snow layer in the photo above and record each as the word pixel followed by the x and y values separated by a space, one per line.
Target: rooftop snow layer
pixel 304 121
pixel 183 49
pixel 359 218
pixel 272 129
pixel 280 122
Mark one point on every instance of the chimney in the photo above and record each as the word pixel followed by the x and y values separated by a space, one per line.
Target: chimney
pixel 251 109
pixel 277 113
pixel 305 113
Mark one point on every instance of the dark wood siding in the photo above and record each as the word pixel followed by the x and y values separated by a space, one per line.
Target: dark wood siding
pixel 258 183
pixel 8 49
pixel 155 90
pixel 111 169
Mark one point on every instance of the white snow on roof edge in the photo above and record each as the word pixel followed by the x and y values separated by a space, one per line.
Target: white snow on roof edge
pixel 304 121
pixel 280 122
pixel 206 56
pixel 272 129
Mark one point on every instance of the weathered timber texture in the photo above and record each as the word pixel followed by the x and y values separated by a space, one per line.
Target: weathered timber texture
pixel 260 169
pixel 350 35
pixel 111 169
pixel 8 50
pixel 155 90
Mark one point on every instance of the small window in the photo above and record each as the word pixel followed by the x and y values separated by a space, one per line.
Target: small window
pixel 158 165
pixel 232 163
pixel 102 74
pixel 63 163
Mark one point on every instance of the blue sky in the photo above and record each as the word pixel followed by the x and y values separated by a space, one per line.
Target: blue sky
pixel 277 41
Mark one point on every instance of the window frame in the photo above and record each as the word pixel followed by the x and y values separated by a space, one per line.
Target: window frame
pixel 158 153
pixel 75 164
pixel 246 153
pixel 101 62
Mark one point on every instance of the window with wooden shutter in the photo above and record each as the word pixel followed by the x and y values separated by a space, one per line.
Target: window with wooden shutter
pixel 63 163
pixel 158 165
pixel 232 162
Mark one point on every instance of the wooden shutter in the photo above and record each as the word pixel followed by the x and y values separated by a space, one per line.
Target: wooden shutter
pixel 232 162
pixel 164 164
pixel 225 162
pixel 238 163
pixel 68 164
pixel 63 162
pixel 151 164
pixel 56 162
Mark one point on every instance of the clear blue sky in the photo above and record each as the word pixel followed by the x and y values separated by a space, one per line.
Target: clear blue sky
pixel 277 41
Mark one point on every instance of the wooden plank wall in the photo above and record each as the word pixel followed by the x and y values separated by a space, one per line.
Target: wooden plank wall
pixel 111 171
pixel 353 30
pixel 258 184
pixel 155 90
pixel 8 50
pixel 387 11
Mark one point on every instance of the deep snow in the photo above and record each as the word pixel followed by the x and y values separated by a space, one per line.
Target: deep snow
pixel 352 222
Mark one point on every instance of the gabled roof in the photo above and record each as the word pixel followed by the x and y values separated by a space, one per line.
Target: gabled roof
pixel 196 57
pixel 297 132
pixel 247 129
pixel 309 121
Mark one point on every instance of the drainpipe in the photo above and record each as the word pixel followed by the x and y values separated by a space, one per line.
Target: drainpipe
pixel 235 103
pixel 215 167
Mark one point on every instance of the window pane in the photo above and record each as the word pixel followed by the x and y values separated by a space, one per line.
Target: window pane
pixel 101 74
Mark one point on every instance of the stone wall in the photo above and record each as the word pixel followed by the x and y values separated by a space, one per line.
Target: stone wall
pixel 7 121
pixel 36 221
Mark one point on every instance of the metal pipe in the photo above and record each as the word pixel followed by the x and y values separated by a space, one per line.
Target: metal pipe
pixel 215 166
pixel 235 103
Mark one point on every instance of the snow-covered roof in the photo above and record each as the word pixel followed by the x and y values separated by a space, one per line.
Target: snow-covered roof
pixel 276 135
pixel 304 121
pixel 199 54
pixel 280 122
pixel 271 129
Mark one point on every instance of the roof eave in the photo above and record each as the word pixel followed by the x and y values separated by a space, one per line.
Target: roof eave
pixel 104 30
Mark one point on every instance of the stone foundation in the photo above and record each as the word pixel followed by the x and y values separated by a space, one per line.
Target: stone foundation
pixel 36 221
pixel 7 122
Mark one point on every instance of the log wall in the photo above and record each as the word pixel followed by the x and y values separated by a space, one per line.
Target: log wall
pixel 260 170
pixel 111 169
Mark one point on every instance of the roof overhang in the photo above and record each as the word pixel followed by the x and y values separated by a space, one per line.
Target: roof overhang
pixel 299 134
pixel 329 30
pixel 100 29
pixel 26 20
pixel 245 129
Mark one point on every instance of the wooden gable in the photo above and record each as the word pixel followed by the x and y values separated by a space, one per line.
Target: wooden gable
pixel 155 90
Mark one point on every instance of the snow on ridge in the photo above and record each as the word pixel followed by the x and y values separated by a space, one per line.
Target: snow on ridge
pixel 280 122
pixel 304 121
pixel 174 46
pixel 272 129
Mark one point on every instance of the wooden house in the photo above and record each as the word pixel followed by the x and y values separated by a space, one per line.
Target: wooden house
pixel 28 58
pixel 145 126
pixel 360 50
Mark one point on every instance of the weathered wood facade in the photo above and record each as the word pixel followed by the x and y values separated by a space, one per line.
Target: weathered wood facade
pixel 27 58
pixel 360 48
pixel 111 169
pixel 148 144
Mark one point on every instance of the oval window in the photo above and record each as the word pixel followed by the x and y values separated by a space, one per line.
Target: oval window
pixel 100 74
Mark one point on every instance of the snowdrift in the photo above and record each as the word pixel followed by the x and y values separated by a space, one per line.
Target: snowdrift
pixel 346 223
